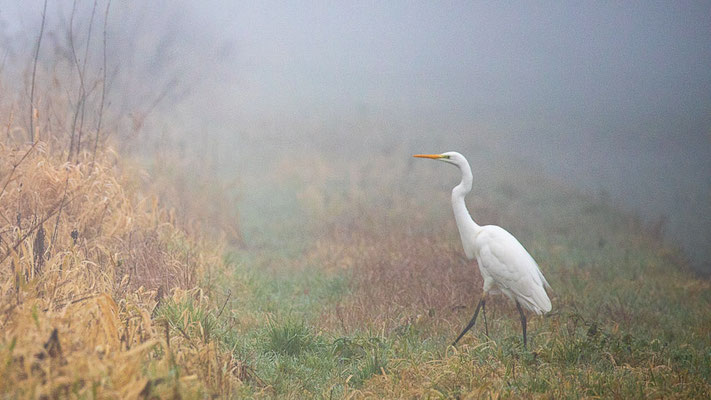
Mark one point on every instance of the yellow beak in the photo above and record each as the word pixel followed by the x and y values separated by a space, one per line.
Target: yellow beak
pixel 432 156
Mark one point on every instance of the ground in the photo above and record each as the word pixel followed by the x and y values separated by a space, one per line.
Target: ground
pixel 329 280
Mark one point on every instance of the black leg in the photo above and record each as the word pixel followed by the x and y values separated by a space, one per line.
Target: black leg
pixel 523 323
pixel 471 323
pixel 486 326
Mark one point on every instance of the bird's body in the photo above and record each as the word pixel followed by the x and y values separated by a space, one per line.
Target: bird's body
pixel 507 267
pixel 504 263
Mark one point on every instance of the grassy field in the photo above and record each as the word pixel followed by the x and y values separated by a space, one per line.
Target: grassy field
pixel 353 286
pixel 330 280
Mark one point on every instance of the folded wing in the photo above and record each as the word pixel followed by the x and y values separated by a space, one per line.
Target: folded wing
pixel 513 270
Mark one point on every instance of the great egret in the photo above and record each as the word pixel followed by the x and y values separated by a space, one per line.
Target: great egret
pixel 503 262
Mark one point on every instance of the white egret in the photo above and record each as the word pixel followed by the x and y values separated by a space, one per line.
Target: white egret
pixel 503 262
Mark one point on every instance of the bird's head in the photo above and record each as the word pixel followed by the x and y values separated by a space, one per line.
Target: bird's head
pixel 450 157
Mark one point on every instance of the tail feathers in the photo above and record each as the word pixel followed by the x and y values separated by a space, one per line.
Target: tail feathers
pixel 543 278
pixel 538 302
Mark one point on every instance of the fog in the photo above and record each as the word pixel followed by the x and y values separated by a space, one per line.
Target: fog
pixel 611 98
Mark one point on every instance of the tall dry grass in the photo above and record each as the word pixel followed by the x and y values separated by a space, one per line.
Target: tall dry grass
pixel 93 249
pixel 85 260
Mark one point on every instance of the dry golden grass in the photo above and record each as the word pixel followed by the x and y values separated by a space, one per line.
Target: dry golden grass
pixel 84 262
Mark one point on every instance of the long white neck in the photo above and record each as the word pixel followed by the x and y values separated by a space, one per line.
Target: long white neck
pixel 467 227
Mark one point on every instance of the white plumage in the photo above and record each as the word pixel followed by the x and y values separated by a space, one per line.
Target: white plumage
pixel 504 263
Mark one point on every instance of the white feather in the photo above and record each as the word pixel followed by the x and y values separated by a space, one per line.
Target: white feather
pixel 503 260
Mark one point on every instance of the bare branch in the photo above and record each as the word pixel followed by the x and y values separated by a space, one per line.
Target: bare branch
pixel 103 87
pixel 59 212
pixel 83 73
pixel 34 73
pixel 81 79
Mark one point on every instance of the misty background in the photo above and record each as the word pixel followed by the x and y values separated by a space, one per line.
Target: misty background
pixel 611 98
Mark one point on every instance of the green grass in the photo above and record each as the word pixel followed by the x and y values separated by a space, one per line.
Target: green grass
pixel 290 338
pixel 584 353
pixel 275 337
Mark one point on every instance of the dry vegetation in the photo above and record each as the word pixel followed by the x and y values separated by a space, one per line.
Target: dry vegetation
pixel 107 272
pixel 400 278
pixel 86 263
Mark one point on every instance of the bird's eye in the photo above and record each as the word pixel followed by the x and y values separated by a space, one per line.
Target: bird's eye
pixel 447 157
